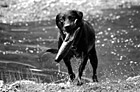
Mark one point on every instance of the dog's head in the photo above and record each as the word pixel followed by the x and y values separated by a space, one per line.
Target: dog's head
pixel 69 23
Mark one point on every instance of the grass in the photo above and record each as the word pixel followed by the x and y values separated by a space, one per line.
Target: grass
pixel 130 85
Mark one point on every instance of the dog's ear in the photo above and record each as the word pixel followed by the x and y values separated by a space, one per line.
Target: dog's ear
pixel 80 14
pixel 59 24
pixel 59 21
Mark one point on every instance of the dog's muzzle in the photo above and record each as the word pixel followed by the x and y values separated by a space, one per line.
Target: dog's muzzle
pixel 66 45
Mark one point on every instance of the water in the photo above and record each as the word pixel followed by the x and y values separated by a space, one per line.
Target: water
pixel 117 43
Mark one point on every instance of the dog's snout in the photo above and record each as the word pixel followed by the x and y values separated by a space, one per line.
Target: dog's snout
pixel 67 26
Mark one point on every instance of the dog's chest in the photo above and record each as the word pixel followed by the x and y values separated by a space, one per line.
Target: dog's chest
pixel 76 52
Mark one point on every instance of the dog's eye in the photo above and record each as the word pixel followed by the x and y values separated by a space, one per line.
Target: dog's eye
pixel 71 18
pixel 61 20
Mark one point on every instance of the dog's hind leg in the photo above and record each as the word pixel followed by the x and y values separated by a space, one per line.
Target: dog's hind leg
pixel 69 67
pixel 94 63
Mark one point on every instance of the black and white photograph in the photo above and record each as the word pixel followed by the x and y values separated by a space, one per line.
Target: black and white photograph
pixel 69 45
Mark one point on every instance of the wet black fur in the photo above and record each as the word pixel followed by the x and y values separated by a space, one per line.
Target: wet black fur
pixel 84 44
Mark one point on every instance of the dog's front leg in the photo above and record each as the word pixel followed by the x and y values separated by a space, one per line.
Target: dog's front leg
pixel 69 67
pixel 84 59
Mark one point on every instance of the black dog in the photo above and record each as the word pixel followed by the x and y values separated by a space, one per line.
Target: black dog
pixel 77 38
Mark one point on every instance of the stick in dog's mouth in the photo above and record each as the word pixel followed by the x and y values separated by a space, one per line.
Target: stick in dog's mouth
pixel 66 45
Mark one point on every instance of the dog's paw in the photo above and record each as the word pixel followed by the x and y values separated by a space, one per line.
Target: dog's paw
pixel 72 77
pixel 79 83
pixel 94 78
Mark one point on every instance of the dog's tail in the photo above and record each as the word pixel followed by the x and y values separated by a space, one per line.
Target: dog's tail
pixel 53 51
